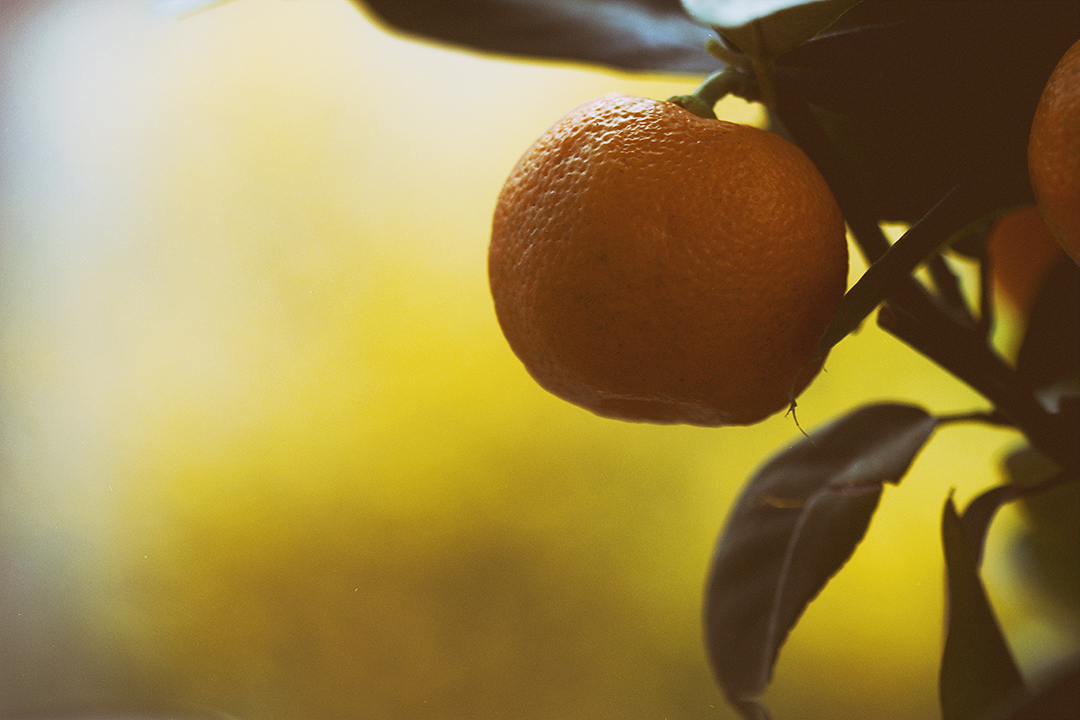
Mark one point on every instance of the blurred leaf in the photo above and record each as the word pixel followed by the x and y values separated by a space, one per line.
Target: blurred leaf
pixel 763 30
pixel 766 29
pixel 1048 549
pixel 910 92
pixel 1027 466
pixel 1059 698
pixel 635 35
pixel 1039 475
pixel 978 673
pixel 980 513
pixel 797 522
pixel 733 13
pixel 182 8
pixel 1049 357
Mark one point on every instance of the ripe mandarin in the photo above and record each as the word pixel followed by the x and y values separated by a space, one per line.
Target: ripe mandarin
pixel 652 265
pixel 1054 152
pixel 1022 253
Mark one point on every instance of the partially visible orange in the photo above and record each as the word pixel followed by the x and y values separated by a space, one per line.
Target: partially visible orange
pixel 1054 152
pixel 651 265
pixel 1022 252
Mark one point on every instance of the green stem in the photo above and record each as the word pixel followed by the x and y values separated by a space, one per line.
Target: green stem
pixel 720 84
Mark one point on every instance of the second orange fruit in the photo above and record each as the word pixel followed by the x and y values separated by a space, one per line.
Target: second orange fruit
pixel 1022 252
pixel 652 265
pixel 1054 152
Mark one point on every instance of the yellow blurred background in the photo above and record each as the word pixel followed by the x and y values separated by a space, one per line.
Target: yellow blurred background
pixel 266 455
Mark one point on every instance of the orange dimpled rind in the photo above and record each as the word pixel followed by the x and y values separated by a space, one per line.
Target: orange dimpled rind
pixel 651 265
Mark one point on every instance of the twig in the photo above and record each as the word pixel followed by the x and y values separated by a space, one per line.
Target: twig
pixel 920 319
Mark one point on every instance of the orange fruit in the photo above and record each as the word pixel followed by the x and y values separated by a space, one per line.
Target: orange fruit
pixel 1022 253
pixel 652 265
pixel 1054 152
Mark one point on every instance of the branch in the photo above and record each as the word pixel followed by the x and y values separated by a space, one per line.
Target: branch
pixel 919 318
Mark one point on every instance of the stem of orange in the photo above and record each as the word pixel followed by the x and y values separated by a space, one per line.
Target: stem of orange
pixel 720 84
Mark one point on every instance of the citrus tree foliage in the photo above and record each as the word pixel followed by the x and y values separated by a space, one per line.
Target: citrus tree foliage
pixel 915 111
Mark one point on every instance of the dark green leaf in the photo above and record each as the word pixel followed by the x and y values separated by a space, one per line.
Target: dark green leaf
pixel 1047 551
pixel 1049 357
pixel 978 674
pixel 1059 698
pixel 981 511
pixel 910 92
pixel 759 31
pixel 797 522
pixel 636 35
pixel 766 29
pixel 1056 696
pixel 790 17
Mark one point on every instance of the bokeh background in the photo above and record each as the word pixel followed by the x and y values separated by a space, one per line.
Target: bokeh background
pixel 265 455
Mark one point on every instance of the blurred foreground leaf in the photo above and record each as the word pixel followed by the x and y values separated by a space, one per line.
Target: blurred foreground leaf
pixel 1049 357
pixel 795 525
pixel 1058 697
pixel 979 678
pixel 757 32
pixel 782 17
pixel 766 29
pixel 635 35
pixel 1047 552
pixel 978 674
